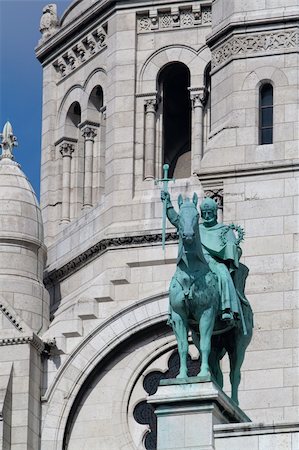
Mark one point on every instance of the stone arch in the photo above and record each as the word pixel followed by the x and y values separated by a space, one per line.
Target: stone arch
pixel 88 354
pixel 195 60
pixel 96 79
pixel 262 74
pixel 74 94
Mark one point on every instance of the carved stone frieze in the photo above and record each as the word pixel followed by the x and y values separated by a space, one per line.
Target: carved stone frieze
pixel 248 44
pixel 174 18
pixel 86 48
pixel 100 248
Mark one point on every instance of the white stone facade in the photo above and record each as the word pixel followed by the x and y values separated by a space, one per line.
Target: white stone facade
pixel 107 275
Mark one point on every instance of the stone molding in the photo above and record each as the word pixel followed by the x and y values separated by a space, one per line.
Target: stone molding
pixel 10 316
pixel 101 247
pixel 82 51
pixel 34 340
pixel 197 15
pixel 250 44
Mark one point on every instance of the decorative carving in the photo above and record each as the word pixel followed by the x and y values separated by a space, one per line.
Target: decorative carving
pixel 90 44
pixel 165 20
pixel 254 43
pixel 185 18
pixel 100 36
pixel 216 195
pixel 206 15
pixel 100 248
pixel 70 60
pixel 9 141
pixel 49 21
pixel 150 105
pixel 86 48
pixel 144 24
pixel 66 149
pixel 89 133
pixel 60 67
pixel 79 51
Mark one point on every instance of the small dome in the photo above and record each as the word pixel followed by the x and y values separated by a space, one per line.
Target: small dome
pixel 20 215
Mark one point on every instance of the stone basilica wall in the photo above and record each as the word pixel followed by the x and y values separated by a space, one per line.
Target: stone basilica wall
pixel 107 274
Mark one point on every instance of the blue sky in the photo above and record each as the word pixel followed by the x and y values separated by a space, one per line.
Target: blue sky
pixel 21 79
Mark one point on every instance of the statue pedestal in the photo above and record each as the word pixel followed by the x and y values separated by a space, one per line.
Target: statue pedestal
pixel 187 409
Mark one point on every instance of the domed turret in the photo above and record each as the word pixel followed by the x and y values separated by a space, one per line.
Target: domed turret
pixel 22 252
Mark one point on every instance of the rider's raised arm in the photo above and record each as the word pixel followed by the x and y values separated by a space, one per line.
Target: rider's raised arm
pixel 171 213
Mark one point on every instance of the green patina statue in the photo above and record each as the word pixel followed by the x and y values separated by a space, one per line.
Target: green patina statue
pixel 206 293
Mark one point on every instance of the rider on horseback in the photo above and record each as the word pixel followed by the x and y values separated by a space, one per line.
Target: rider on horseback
pixel 221 250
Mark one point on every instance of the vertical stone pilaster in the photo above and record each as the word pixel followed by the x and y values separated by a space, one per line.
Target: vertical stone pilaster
pixel 88 133
pixel 66 149
pixel 197 96
pixel 150 136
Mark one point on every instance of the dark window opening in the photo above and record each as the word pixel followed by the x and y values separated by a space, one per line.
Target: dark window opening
pixel 266 114
pixel 174 81
pixel 96 98
pixel 74 114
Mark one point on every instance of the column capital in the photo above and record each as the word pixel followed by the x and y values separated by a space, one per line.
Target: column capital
pixel 66 148
pixel 150 105
pixel 89 133
pixel 198 96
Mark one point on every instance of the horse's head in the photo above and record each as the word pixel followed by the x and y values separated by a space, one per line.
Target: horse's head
pixel 188 219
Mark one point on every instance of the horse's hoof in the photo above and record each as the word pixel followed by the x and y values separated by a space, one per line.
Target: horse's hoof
pixel 204 374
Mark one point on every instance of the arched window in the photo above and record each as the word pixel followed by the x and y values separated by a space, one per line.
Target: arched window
pixel 73 119
pixel 207 104
pixel 266 114
pixel 95 103
pixel 173 82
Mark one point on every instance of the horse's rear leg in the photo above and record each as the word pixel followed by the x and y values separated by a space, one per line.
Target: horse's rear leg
pixel 214 364
pixel 236 358
pixel 206 325
pixel 180 329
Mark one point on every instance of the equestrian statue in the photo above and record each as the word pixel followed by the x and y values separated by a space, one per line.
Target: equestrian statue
pixel 206 293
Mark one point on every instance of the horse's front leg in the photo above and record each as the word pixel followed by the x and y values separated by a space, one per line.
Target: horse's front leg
pixel 206 325
pixel 180 329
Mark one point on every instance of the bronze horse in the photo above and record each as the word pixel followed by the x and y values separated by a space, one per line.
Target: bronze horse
pixel 195 306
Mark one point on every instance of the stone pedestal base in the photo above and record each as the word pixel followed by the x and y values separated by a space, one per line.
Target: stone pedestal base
pixel 188 409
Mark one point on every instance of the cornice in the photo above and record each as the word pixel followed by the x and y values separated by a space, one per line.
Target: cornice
pixel 101 247
pixel 33 340
pixel 248 24
pixel 249 43
pixel 95 15
pixel 237 171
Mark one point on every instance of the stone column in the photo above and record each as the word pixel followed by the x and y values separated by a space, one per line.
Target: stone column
pixel 150 136
pixel 89 134
pixel 197 96
pixel 66 150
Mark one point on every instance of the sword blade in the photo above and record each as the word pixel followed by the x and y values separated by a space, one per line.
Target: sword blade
pixel 164 225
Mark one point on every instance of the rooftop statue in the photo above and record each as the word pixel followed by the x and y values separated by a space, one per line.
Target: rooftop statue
pixel 8 141
pixel 49 21
pixel 206 293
